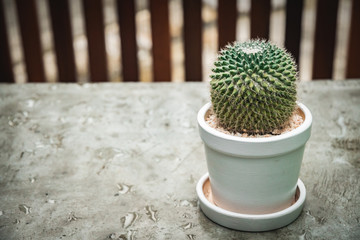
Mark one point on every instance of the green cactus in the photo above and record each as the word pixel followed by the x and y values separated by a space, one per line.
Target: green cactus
pixel 253 88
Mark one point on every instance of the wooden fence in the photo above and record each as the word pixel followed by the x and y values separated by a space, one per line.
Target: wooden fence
pixel 227 13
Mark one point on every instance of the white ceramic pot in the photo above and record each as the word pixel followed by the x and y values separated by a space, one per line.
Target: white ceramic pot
pixel 254 175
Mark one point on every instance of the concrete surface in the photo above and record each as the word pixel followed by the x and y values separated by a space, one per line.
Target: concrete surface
pixel 121 161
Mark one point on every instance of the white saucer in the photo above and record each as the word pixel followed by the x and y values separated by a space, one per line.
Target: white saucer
pixel 249 222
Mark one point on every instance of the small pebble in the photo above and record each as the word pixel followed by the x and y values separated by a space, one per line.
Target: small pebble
pixel 112 236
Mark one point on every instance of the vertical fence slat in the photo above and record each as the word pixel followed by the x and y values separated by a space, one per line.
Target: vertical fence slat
pixel 227 16
pixel 294 9
pixel 126 19
pixel 353 69
pixel 161 40
pixel 30 35
pixel 94 24
pixel 6 73
pixel 192 40
pixel 325 33
pixel 65 58
pixel 260 18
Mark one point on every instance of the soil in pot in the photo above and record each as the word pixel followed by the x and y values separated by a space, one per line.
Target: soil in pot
pixel 295 121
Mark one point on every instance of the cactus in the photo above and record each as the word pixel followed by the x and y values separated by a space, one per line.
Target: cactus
pixel 253 88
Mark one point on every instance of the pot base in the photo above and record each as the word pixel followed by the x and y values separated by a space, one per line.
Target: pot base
pixel 248 222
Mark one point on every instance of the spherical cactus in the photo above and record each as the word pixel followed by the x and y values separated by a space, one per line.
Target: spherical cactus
pixel 253 88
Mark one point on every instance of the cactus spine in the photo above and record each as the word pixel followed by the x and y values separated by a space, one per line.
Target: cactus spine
pixel 253 88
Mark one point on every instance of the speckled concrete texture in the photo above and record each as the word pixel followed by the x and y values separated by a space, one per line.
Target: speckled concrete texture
pixel 121 161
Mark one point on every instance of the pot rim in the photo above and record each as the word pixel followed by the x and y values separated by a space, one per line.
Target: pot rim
pixel 304 126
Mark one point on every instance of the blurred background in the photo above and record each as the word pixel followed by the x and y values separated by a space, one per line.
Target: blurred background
pixel 176 22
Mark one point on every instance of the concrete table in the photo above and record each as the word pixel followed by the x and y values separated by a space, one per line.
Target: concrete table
pixel 99 161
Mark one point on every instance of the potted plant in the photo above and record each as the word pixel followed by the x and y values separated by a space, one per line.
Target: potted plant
pixel 253 161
